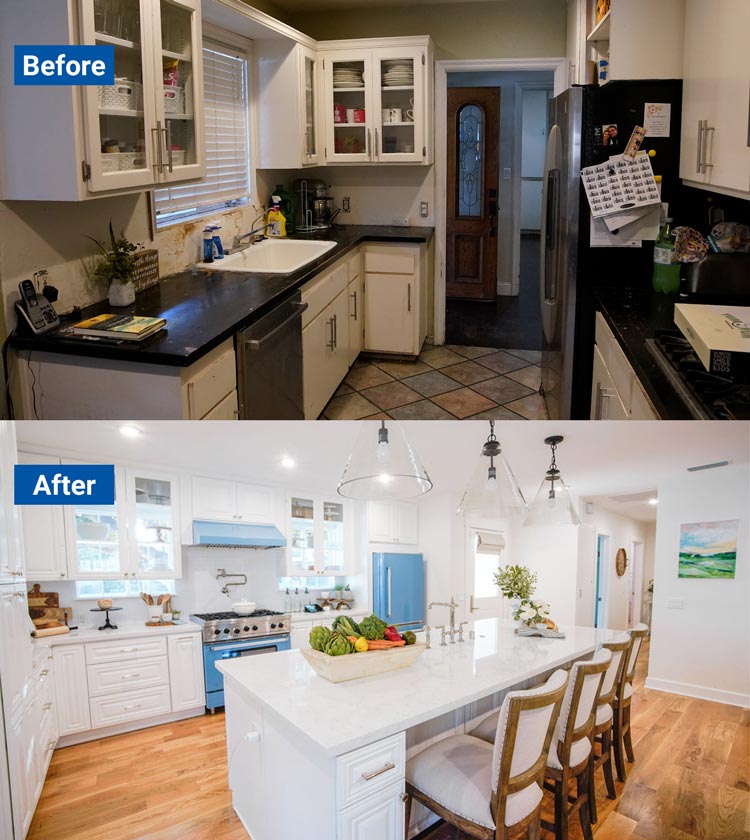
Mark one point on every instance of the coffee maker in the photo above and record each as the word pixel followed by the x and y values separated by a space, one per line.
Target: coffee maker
pixel 313 205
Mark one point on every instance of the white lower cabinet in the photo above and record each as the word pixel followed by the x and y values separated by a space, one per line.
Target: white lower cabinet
pixel 379 817
pixel 71 689
pixel 186 671
pixel 129 706
pixel 108 679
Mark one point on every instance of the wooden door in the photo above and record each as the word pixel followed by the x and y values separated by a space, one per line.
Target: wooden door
pixel 471 224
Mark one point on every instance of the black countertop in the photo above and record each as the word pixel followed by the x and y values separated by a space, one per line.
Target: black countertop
pixel 204 308
pixel 635 315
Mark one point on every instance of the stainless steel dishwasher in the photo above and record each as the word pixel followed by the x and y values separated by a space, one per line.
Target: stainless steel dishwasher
pixel 269 364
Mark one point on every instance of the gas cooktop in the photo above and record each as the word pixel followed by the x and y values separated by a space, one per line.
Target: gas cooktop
pixel 226 626
pixel 707 396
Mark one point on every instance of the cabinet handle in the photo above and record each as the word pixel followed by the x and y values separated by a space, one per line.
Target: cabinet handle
pixel 129 708
pixel 377 144
pixel 43 673
pixel 330 344
pixel 51 746
pixel 368 138
pixel 404 797
pixel 168 139
pixel 706 129
pixel 19 594
pixel 46 706
pixel 335 332
pixel 129 676
pixel 699 160
pixel 62 574
pixel 354 295
pixel 183 638
pixel 384 769
pixel 128 650
pixel 159 156
pixel 408 297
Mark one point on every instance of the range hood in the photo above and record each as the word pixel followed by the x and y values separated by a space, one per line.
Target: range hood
pixel 230 535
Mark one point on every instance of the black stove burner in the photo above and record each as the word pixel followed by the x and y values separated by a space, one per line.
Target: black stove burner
pixel 721 397
pixel 225 616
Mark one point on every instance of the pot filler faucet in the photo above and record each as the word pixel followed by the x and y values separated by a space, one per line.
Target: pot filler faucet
pixel 222 573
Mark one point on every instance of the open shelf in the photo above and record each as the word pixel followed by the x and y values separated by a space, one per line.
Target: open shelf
pixel 179 56
pixel 179 117
pixel 349 89
pixel 601 31
pixel 398 124
pixel 119 112
pixel 117 42
pixel 398 87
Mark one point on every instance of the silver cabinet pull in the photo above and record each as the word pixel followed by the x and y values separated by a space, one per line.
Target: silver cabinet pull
pixel 43 673
pixel 46 707
pixel 368 137
pixel 408 297
pixel 129 676
pixel 335 332
pixel 377 144
pixel 384 769
pixel 354 295
pixel 330 344
pixel 168 138
pixel 159 155
pixel 699 160
pixel 130 708
pixel 706 129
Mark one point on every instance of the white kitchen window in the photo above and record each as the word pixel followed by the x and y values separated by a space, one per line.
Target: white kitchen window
pixel 226 108
pixel 93 589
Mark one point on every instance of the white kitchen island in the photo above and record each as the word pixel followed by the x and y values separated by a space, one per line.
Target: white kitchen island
pixel 324 761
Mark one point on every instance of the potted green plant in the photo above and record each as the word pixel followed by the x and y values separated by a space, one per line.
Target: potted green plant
pixel 117 260
pixel 517 583
pixel 532 613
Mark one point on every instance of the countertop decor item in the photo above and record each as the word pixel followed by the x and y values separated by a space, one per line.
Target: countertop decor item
pixel 104 603
pixel 338 669
pixel 552 504
pixel 243 607
pixel 516 582
pixel 383 466
pixel 116 266
pixel 107 623
pixel 493 489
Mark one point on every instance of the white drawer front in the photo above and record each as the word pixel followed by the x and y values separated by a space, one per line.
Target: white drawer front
pixel 122 708
pixel 385 260
pixel 117 651
pixel 368 769
pixel 106 679
pixel 209 386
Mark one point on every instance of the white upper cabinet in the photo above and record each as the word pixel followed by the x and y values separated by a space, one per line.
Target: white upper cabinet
pixel 319 541
pixel 393 522
pixel 145 130
pixel 289 115
pixel 11 545
pixel 715 152
pixel 378 101
pixel 232 501
pixel 154 520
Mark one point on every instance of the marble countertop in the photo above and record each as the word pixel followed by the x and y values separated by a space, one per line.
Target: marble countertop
pixel 337 718
pixel 322 616
pixel 126 630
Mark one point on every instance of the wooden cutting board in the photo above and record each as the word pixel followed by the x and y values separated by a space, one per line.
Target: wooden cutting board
pixel 37 598
pixel 43 615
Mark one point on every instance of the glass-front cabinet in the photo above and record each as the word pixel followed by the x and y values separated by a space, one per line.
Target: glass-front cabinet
pixel 318 542
pixel 310 84
pixel 377 104
pixel 144 129
pixel 153 517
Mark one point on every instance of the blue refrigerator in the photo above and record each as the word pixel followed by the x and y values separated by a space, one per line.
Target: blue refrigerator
pixel 398 589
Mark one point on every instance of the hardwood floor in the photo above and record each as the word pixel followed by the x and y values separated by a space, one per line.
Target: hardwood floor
pixel 690 780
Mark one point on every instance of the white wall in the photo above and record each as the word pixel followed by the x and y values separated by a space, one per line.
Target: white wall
pixel 700 641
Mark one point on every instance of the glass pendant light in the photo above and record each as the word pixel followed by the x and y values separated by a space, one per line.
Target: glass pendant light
pixel 552 504
pixel 492 489
pixel 383 466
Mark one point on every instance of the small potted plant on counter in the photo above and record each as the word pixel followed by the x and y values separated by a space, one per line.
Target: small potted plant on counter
pixel 532 613
pixel 517 583
pixel 116 267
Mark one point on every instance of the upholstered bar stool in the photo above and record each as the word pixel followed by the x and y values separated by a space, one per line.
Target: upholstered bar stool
pixel 487 791
pixel 622 743
pixel 568 757
pixel 618 647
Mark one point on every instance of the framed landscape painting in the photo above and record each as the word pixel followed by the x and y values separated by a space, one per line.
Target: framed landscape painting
pixel 708 549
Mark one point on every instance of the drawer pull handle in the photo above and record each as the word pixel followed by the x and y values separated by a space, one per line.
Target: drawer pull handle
pixel 43 673
pixel 129 676
pixel 384 769
pixel 128 650
pixel 46 706
pixel 51 745
pixel 129 708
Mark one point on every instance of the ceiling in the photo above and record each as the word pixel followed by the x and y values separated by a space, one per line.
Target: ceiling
pixel 350 5
pixel 632 505
pixel 596 459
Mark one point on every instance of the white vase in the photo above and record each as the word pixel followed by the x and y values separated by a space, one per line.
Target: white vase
pixel 515 603
pixel 121 294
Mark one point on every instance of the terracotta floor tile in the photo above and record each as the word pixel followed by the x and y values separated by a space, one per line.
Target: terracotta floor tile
pixel 440 357
pixel 342 390
pixel 471 352
pixel 530 376
pixel 501 362
pixel 533 357
pixel 422 410
pixel 429 384
pixel 390 395
pixel 349 407
pixel 463 403
pixel 502 390
pixel 367 377
pixel 467 373
pixel 400 370
pixel 531 407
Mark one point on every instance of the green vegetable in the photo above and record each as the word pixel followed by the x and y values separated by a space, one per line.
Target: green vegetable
pixel 409 637
pixel 372 627
pixel 319 637
pixel 338 645
pixel 346 626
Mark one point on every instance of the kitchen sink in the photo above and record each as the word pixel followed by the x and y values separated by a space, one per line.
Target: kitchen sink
pixel 273 256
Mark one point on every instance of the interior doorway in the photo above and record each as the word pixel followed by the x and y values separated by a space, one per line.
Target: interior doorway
pixel 483 554
pixel 636 584
pixel 503 312
pixel 602 581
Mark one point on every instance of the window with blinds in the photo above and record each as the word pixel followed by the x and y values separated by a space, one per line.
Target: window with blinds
pixel 227 180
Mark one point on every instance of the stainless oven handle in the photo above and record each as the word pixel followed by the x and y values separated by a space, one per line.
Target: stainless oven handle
pixel 257 343
pixel 266 641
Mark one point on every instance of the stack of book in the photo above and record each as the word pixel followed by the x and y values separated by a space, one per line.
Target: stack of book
pixel 120 327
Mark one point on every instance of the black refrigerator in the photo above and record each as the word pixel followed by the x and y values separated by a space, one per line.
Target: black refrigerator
pixel 580 135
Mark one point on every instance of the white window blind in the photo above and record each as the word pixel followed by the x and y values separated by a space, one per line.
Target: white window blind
pixel 227 180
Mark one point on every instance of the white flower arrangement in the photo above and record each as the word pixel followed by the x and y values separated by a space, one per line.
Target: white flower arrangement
pixel 532 612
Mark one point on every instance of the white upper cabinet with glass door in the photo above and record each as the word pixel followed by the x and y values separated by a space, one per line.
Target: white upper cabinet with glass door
pixel 154 520
pixel 378 100
pixel 319 540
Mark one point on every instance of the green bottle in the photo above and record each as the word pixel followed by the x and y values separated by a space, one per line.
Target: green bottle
pixel 666 268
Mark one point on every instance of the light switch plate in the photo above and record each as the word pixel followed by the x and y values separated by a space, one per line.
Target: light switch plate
pixel 424 209
pixel 507 174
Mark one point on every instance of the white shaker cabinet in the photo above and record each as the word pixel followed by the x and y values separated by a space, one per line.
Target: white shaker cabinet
pixel 356 292
pixel 71 689
pixel 392 522
pixel 11 544
pixel 715 152
pixel 379 817
pixel 186 671
pixel 15 647
pixel 232 501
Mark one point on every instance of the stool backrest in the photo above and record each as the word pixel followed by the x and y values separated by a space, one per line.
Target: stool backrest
pixel 637 635
pixel 618 647
pixel 578 713
pixel 524 733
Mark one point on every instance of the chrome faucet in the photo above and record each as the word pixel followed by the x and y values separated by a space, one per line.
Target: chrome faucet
pixel 253 232
pixel 222 573
pixel 452 606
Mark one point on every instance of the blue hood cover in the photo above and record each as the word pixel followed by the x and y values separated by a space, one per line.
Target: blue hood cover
pixel 229 535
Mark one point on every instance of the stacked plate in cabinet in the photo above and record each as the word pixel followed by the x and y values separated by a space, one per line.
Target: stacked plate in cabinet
pixel 398 73
pixel 347 76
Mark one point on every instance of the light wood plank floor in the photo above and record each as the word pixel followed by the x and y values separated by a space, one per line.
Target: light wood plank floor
pixel 690 781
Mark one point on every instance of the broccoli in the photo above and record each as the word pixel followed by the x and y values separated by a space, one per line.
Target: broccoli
pixel 372 627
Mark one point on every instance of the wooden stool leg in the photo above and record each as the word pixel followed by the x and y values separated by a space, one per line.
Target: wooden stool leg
pixel 535 826
pixel 561 808
pixel 607 766
pixel 618 747
pixel 407 815
pixel 626 738
pixel 582 784
pixel 592 785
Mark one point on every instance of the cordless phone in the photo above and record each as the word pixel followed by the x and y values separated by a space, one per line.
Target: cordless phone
pixel 35 310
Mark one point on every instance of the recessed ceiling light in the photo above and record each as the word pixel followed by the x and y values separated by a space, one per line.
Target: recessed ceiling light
pixel 129 431
pixel 288 463
pixel 653 501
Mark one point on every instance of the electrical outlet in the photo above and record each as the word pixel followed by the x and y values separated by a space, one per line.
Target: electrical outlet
pixel 400 221
pixel 424 209
pixel 507 174
pixel 346 204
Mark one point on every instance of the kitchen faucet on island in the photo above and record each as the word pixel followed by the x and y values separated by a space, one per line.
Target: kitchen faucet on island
pixel 453 629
